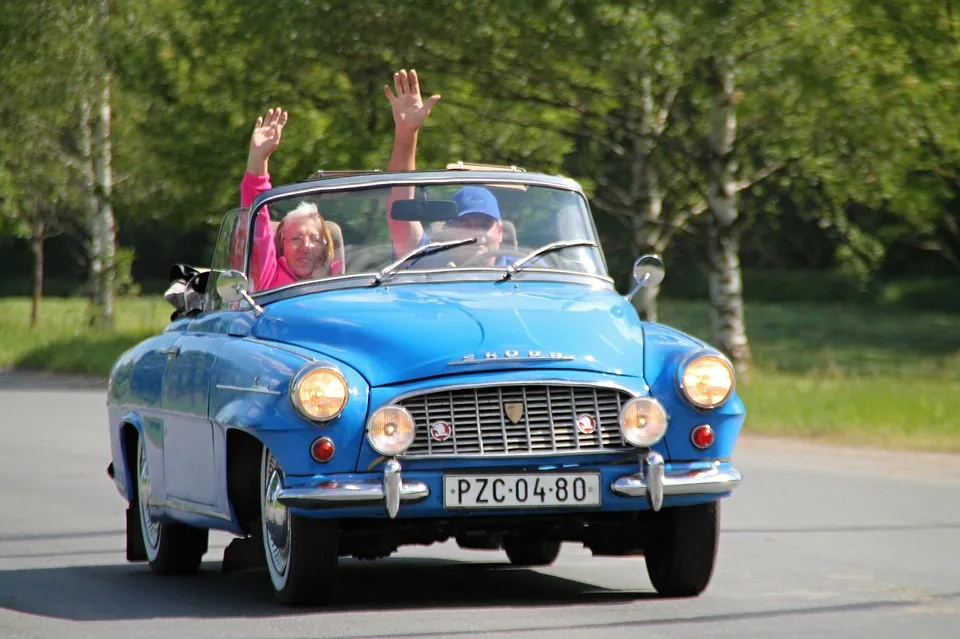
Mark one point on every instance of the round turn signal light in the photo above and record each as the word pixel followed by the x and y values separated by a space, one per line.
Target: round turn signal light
pixel 702 436
pixel 322 449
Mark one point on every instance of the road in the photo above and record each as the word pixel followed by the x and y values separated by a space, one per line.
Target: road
pixel 816 542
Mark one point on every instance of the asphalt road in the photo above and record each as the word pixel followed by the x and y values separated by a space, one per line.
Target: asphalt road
pixel 816 543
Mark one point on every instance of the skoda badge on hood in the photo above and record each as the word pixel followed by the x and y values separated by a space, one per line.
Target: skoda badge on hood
pixel 513 356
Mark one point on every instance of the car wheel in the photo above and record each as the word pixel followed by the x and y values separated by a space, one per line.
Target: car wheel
pixel 523 551
pixel 681 554
pixel 301 553
pixel 172 549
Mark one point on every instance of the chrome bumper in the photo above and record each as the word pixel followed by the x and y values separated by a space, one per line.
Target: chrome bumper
pixel 389 491
pixel 653 482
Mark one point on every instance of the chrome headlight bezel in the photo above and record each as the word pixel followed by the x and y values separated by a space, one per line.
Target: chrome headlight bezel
pixel 689 360
pixel 373 416
pixel 297 381
pixel 655 405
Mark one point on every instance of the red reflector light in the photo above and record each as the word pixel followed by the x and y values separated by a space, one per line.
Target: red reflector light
pixel 702 436
pixel 322 449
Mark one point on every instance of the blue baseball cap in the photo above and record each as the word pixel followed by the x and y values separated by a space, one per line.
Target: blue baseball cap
pixel 476 199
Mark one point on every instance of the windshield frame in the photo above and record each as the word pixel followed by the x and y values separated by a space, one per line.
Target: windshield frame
pixel 414 178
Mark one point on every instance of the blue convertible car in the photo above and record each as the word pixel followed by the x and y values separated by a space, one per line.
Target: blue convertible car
pixel 461 368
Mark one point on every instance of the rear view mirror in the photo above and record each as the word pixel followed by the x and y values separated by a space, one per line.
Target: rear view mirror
pixel 649 272
pixel 424 210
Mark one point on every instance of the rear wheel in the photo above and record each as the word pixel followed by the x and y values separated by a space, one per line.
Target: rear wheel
pixel 523 551
pixel 301 553
pixel 681 555
pixel 171 549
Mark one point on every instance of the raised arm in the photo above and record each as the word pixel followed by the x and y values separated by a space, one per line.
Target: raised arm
pixel 409 113
pixel 256 179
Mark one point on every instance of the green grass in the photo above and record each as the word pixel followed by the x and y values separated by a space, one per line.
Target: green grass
pixel 63 342
pixel 836 373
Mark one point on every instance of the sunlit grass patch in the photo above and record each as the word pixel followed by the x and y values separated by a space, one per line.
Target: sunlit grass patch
pixel 63 341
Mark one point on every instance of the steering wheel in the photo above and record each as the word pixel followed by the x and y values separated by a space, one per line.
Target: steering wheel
pixel 477 259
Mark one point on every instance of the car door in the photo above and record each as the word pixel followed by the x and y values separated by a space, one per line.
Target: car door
pixel 190 450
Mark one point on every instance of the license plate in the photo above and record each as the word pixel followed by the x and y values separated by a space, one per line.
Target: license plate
pixel 532 490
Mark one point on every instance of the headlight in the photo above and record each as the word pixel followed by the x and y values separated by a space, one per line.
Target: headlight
pixel 707 381
pixel 319 393
pixel 390 430
pixel 643 421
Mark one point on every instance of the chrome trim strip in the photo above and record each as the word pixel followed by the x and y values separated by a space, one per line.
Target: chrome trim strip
pixel 703 481
pixel 426 390
pixel 186 506
pixel 251 389
pixel 497 360
pixel 331 493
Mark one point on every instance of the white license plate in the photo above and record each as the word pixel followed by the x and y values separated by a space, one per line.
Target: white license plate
pixel 530 490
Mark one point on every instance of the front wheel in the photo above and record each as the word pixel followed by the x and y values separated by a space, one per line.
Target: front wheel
pixel 171 549
pixel 301 553
pixel 681 554
pixel 523 551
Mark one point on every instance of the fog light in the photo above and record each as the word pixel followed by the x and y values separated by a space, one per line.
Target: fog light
pixel 702 436
pixel 643 421
pixel 322 449
pixel 390 430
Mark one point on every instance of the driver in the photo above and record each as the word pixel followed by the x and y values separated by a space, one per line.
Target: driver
pixel 478 213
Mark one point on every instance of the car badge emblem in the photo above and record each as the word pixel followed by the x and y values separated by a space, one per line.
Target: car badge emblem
pixel 441 431
pixel 513 410
pixel 586 424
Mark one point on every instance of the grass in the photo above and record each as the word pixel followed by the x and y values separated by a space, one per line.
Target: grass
pixel 63 342
pixel 835 373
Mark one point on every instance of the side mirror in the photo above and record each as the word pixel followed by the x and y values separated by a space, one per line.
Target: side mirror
pixel 232 287
pixel 649 272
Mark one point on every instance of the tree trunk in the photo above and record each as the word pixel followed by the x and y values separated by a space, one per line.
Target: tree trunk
pixel 98 176
pixel 726 285
pixel 91 206
pixel 36 246
pixel 726 294
pixel 103 177
pixel 648 229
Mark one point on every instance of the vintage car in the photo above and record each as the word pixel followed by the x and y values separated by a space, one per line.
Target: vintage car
pixel 482 382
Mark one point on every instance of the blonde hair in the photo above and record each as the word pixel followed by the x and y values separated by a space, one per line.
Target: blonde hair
pixel 309 210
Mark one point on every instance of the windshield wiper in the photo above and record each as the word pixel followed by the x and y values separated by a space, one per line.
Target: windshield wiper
pixel 543 250
pixel 420 251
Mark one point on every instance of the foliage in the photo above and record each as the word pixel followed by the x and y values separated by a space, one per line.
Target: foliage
pixel 853 104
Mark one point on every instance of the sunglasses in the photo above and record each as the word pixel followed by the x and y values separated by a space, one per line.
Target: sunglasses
pixel 476 221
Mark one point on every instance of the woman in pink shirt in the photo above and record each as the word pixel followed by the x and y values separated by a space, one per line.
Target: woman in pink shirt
pixel 302 246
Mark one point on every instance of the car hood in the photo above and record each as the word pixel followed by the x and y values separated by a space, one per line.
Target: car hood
pixel 393 334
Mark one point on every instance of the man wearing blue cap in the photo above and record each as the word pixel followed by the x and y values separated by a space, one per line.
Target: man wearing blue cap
pixel 477 208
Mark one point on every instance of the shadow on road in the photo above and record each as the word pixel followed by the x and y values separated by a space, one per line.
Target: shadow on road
pixel 131 592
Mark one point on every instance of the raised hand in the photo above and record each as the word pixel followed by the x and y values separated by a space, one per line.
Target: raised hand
pixel 409 109
pixel 267 132
pixel 264 140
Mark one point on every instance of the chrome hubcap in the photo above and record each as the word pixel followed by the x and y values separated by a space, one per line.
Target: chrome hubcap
pixel 276 520
pixel 151 529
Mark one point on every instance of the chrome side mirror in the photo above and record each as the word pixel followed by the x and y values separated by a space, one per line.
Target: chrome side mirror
pixel 648 271
pixel 232 287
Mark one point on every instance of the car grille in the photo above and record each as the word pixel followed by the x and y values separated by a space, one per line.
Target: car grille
pixel 482 420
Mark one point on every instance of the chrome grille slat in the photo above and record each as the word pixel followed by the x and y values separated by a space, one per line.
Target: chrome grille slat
pixel 548 424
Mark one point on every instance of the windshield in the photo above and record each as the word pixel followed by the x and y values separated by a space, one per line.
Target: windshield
pixel 431 228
